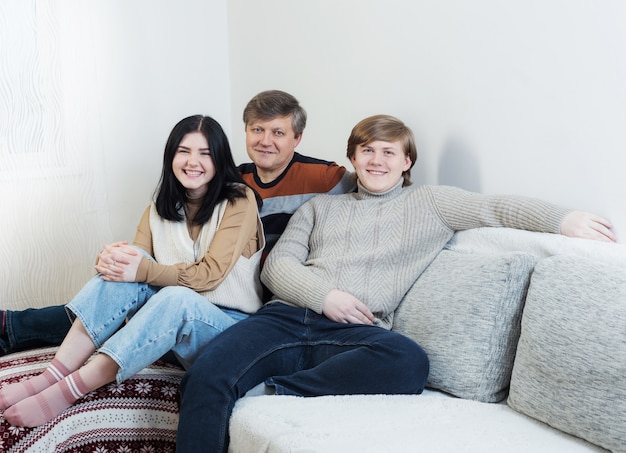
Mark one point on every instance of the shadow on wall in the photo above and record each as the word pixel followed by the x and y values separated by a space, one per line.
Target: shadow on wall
pixel 458 167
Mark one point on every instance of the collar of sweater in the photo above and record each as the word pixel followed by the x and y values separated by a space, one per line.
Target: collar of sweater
pixel 364 194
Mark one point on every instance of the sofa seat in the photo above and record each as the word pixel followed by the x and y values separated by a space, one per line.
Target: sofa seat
pixel 431 422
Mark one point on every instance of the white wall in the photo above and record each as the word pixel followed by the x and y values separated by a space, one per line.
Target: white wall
pixel 521 97
pixel 89 91
pixel 510 97
pixel 157 61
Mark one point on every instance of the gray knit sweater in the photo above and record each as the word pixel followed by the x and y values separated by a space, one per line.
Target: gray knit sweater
pixel 375 245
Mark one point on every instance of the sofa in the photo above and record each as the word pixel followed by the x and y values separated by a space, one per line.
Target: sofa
pixel 526 335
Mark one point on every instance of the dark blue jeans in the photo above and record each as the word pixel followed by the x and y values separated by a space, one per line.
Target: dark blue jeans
pixel 297 352
pixel 35 327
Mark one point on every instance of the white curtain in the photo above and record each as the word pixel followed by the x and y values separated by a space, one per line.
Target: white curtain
pixel 53 208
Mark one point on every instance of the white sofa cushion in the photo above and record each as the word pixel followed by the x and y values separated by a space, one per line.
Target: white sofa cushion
pixel 542 245
pixel 570 370
pixel 431 422
pixel 465 311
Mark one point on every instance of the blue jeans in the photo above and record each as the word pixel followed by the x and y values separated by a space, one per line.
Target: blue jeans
pixel 297 352
pixel 160 319
pixel 35 327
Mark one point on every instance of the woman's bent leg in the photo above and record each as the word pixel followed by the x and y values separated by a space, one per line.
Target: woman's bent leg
pixel 103 306
pixel 176 318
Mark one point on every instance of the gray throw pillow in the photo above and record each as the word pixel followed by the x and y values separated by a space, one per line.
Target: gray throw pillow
pixel 570 370
pixel 465 311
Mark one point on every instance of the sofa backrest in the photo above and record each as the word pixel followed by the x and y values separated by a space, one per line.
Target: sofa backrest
pixel 570 368
pixel 465 309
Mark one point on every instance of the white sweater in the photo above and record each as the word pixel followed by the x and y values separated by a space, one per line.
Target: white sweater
pixel 240 290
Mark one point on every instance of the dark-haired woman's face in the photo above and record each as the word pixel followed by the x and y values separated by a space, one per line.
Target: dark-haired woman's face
pixel 193 165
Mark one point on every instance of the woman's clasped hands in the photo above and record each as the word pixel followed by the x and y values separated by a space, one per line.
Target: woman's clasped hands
pixel 118 262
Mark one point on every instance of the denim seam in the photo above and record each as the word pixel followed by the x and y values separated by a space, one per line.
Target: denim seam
pixel 237 378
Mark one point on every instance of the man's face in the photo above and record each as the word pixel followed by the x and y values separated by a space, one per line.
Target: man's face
pixel 271 144
pixel 380 165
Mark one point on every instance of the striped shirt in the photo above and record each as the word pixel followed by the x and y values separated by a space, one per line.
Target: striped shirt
pixel 304 178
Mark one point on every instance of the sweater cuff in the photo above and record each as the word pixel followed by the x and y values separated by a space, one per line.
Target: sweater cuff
pixel 559 215
pixel 142 271
pixel 156 274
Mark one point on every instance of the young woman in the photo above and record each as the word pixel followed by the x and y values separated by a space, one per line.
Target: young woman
pixel 191 273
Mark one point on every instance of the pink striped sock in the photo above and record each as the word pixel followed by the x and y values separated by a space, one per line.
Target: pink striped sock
pixel 46 405
pixel 14 393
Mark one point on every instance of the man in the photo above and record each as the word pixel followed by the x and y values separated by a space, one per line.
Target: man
pixel 338 273
pixel 274 123
pixel 283 178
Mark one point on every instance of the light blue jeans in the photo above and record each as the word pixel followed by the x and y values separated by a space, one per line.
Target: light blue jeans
pixel 160 319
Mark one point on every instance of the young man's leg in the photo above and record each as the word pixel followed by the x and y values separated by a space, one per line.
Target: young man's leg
pixel 244 355
pixel 350 359
pixel 32 328
pixel 298 352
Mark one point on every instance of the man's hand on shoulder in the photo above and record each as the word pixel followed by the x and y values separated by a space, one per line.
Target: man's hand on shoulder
pixel 579 224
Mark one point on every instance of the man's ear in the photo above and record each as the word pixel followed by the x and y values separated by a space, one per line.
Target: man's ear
pixel 298 139
pixel 408 163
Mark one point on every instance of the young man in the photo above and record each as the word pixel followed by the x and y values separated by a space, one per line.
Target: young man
pixel 274 123
pixel 338 273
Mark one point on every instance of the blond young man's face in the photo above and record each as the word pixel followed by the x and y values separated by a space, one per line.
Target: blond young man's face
pixel 379 165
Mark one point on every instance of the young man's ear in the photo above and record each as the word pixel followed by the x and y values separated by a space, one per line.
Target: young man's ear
pixel 407 162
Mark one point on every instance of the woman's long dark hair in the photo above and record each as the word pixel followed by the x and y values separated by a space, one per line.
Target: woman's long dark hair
pixel 227 184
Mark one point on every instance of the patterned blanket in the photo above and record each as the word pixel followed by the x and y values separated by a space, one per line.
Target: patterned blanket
pixel 138 415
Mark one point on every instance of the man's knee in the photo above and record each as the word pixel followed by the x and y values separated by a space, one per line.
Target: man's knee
pixel 411 362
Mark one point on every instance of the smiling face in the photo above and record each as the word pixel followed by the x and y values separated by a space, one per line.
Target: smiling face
pixel 271 145
pixel 193 165
pixel 379 165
